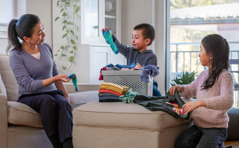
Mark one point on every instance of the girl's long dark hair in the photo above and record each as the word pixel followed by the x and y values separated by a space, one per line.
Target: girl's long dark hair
pixel 217 46
pixel 20 28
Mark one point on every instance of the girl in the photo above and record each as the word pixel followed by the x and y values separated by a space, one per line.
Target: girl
pixel 213 90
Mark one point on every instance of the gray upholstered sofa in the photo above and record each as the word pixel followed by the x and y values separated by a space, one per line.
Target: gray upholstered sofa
pixel 20 125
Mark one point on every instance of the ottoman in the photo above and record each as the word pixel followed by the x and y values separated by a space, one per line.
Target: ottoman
pixel 120 125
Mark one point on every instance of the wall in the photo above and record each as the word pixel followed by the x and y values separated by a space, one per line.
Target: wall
pixel 21 8
pixel 150 11
pixel 132 16
pixel 162 41
pixel 42 8
pixel 153 12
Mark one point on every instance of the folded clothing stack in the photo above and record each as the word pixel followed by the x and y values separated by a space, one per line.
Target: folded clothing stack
pixel 110 92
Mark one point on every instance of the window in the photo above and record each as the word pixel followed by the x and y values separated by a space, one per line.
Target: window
pixel 91 18
pixel 190 21
pixel 7 12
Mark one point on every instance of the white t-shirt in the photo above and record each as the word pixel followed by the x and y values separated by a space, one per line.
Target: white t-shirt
pixel 36 55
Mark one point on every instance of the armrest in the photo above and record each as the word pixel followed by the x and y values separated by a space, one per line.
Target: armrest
pixel 86 93
pixel 3 121
pixel 81 87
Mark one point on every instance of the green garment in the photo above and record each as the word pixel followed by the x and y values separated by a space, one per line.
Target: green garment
pixel 108 38
pixel 74 80
pixel 129 96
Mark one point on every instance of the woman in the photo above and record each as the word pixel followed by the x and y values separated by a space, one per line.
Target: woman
pixel 39 84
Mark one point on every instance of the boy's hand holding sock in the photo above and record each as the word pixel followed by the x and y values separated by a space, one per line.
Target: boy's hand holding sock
pixel 108 38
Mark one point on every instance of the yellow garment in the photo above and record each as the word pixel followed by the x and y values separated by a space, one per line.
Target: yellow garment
pixel 114 87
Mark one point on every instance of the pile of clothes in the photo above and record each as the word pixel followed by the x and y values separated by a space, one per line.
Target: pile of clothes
pixel 110 92
pixel 170 104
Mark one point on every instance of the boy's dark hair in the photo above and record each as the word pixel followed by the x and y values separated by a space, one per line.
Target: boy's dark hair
pixel 148 31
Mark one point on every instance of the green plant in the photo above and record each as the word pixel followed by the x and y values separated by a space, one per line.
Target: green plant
pixel 69 13
pixel 186 78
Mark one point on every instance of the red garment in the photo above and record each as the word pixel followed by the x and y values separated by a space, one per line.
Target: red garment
pixel 109 91
pixel 101 76
pixel 177 109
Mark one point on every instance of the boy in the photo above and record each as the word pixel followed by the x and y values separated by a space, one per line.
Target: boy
pixel 142 36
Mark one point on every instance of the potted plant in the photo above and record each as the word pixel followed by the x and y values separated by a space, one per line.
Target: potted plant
pixel 184 79
pixel 69 13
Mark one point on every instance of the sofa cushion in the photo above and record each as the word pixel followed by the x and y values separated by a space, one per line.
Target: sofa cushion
pixel 81 98
pixel 21 114
pixel 121 115
pixel 8 79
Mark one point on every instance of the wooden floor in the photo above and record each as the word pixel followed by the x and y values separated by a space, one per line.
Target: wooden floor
pixel 234 144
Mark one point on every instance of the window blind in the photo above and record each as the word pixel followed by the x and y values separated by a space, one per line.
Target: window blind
pixel 7 11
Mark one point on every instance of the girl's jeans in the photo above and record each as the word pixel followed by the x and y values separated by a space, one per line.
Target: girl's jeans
pixel 197 137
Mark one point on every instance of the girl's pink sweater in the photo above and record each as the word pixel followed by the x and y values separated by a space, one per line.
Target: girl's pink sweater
pixel 219 99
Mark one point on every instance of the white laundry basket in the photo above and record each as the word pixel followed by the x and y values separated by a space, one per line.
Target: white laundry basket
pixel 130 78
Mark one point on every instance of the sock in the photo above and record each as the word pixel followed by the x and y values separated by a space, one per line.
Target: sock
pixel 68 143
pixel 108 38
pixel 74 81
pixel 55 141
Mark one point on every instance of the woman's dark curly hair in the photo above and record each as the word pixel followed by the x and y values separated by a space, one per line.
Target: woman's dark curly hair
pixel 218 47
